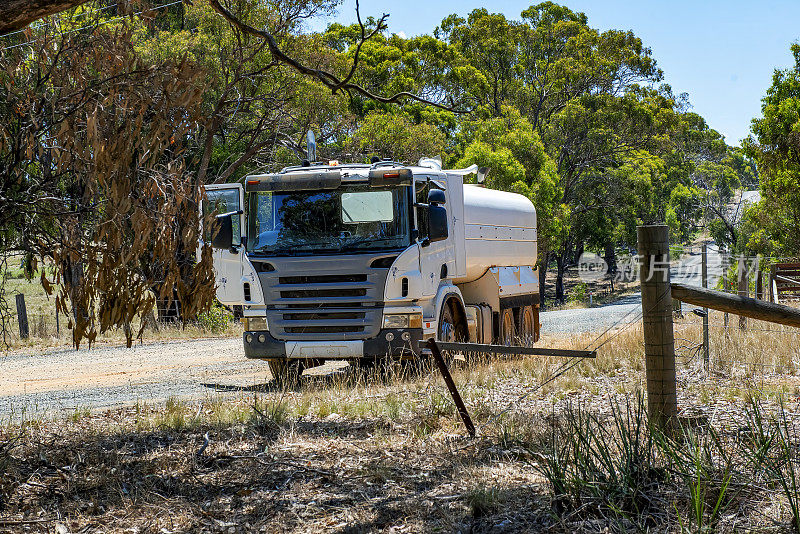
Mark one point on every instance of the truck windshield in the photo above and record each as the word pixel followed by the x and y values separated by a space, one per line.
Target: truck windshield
pixel 351 218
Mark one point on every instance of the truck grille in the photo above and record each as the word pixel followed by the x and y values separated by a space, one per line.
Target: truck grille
pixel 335 298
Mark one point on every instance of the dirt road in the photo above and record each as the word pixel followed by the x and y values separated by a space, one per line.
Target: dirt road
pixel 625 310
pixel 105 377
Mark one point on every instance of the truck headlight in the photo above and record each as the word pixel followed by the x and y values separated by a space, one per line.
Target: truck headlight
pixel 253 324
pixel 403 320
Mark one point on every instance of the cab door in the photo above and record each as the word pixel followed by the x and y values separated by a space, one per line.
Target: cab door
pixel 228 263
pixel 435 259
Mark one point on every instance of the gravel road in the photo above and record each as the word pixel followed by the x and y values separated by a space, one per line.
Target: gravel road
pixel 599 318
pixel 106 377
pixel 64 380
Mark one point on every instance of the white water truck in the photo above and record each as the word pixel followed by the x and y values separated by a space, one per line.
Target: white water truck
pixel 366 261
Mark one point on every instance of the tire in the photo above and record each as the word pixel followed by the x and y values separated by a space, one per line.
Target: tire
pixel 286 373
pixel 527 326
pixel 508 330
pixel 447 330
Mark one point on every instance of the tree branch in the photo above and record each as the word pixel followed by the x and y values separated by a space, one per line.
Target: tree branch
pixel 16 14
pixel 330 80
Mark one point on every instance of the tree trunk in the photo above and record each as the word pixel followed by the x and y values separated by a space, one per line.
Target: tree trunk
pixel 544 260
pixel 561 267
pixel 611 258
pixel 576 257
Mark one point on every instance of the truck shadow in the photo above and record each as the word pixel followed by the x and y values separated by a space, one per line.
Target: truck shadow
pixel 328 375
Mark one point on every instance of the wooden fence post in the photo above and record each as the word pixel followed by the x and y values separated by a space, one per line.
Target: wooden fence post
pixel 659 341
pixel 22 316
pixel 744 287
pixel 760 285
pixel 725 289
pixel 704 281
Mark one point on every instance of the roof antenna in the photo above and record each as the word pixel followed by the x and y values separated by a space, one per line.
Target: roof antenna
pixel 482 173
pixel 311 144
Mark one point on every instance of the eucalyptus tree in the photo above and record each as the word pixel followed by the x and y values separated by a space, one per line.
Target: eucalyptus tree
pixel 774 224
pixel 94 177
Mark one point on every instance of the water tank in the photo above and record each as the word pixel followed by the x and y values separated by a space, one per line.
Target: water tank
pixel 500 231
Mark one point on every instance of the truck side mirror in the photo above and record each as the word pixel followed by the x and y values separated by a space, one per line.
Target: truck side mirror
pixel 437 222
pixel 436 196
pixel 222 231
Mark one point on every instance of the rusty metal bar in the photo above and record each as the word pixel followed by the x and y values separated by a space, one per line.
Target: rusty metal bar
pixel 521 351
pixel 448 379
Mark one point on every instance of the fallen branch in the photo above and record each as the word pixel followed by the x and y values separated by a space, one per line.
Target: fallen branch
pixel 16 14
pixel 203 447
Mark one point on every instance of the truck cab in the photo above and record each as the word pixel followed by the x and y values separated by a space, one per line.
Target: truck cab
pixel 366 261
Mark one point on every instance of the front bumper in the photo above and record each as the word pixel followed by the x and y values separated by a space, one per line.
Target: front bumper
pixel 388 342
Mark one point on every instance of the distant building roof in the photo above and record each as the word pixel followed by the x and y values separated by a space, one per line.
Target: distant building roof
pixel 751 196
pixel 747 198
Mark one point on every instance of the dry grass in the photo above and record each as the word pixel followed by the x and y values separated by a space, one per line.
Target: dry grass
pixel 46 333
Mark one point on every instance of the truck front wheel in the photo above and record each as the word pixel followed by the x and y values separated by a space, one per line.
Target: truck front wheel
pixel 447 325
pixel 286 373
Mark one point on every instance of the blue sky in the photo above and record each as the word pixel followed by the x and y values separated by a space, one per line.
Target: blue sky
pixel 721 53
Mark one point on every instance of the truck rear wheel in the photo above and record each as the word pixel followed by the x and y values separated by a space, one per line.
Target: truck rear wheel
pixel 508 330
pixel 527 326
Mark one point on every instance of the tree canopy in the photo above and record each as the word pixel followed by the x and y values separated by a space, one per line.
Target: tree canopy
pixel 773 225
pixel 109 132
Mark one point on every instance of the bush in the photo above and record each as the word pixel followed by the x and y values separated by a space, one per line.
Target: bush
pixel 216 320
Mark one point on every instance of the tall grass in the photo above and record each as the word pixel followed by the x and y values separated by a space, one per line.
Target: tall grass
pixel 606 467
pixel 620 469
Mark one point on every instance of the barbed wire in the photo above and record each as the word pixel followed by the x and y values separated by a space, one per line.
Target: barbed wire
pixel 788 331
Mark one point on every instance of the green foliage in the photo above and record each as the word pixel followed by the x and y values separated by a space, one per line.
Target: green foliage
pixel 394 136
pixel 603 467
pixel 215 320
pixel 775 145
pixel 565 114
pixel 510 146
